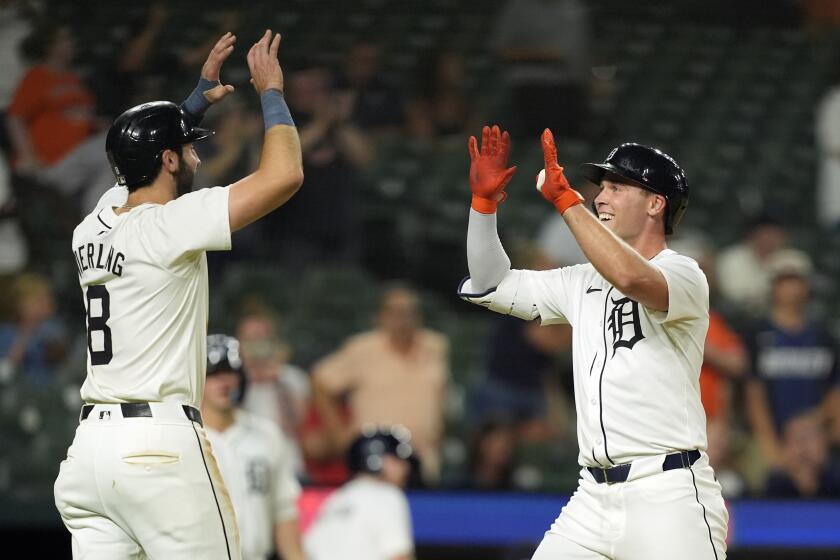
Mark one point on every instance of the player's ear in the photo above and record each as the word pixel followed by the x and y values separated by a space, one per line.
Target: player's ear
pixel 657 204
pixel 170 160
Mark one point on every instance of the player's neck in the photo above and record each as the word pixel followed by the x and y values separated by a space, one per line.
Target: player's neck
pixel 157 193
pixel 648 246
pixel 216 419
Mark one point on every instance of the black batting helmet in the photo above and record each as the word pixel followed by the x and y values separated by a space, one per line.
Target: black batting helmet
pixel 367 451
pixel 138 137
pixel 651 169
pixel 223 356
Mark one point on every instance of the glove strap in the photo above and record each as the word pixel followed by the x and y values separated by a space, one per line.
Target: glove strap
pixel 567 199
pixel 485 205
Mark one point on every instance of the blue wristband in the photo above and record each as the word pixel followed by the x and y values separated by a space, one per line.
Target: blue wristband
pixel 196 104
pixel 274 108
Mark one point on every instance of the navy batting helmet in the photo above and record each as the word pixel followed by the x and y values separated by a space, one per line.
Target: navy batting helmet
pixel 367 451
pixel 138 137
pixel 223 356
pixel 651 169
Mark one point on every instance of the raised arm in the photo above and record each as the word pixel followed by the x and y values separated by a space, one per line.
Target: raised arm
pixel 621 265
pixel 280 172
pixel 489 175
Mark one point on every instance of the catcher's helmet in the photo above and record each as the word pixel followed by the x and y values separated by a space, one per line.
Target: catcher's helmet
pixel 366 452
pixel 652 169
pixel 139 136
pixel 223 356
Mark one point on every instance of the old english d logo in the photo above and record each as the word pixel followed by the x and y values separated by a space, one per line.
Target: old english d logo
pixel 624 323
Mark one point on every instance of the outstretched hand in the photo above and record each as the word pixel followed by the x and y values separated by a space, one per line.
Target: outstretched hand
pixel 554 186
pixel 262 62
pixel 489 173
pixel 213 66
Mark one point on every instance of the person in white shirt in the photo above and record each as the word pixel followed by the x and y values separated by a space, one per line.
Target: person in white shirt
pixel 827 136
pixel 639 313
pixel 368 518
pixel 140 479
pixel 255 459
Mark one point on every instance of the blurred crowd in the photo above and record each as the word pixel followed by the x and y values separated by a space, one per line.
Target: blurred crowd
pixel 771 377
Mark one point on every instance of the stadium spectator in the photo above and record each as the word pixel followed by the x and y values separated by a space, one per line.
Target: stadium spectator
pixel 396 373
pixel 373 106
pixel 441 110
pixel 742 269
pixel 491 461
pixel 56 135
pixel 806 470
pixel 323 455
pixel 794 359
pixel 527 369
pixel 548 72
pixel 521 358
pixel 725 362
pixel 32 347
pixel 14 250
pixel 149 59
pixel 827 136
pixel 14 27
pixel 319 224
pixel 135 70
pixel 279 391
pixel 235 146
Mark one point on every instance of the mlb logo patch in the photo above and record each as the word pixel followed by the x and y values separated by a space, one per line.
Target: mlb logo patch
pixel 105 415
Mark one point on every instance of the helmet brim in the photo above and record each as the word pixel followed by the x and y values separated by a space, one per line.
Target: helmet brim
pixel 595 172
pixel 197 134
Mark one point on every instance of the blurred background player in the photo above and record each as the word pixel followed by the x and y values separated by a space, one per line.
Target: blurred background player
pixel 255 459
pixel 368 518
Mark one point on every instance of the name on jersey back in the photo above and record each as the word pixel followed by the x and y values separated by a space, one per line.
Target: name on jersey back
pixel 99 256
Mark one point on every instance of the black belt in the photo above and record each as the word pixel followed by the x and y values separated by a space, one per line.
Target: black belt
pixel 143 410
pixel 619 473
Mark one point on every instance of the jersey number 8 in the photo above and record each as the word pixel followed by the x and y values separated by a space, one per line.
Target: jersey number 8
pixel 99 323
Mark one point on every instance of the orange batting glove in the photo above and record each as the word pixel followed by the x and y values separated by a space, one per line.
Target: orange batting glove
pixel 489 174
pixel 556 189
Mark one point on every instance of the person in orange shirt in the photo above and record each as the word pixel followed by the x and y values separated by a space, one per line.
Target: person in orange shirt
pixel 51 119
pixel 724 360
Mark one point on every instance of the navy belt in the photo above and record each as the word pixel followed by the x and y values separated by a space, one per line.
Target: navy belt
pixel 143 410
pixel 619 473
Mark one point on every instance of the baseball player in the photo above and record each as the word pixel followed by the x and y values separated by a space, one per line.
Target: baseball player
pixel 639 313
pixel 140 479
pixel 256 461
pixel 368 518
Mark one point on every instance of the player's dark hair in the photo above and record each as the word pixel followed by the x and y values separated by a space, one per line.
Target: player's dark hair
pixel 178 150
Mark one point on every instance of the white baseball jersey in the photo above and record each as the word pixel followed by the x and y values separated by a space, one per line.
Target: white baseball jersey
pixel 143 275
pixel 257 464
pixel 366 519
pixel 636 370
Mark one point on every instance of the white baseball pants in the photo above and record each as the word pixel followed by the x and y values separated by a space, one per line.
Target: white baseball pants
pixel 135 488
pixel 674 514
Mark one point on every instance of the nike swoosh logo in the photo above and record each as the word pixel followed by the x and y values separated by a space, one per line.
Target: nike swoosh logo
pixel 590 289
